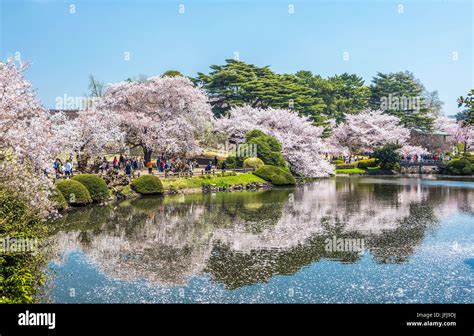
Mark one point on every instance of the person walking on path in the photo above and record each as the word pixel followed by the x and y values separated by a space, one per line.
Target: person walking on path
pixel 162 165
pixel 68 169
pixel 128 168
pixel 158 165
pixel 58 167
pixel 149 165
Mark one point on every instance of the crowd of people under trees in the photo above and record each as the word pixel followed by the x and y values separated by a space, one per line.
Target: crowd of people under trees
pixel 173 166
pixel 423 158
pixel 426 158
pixel 132 165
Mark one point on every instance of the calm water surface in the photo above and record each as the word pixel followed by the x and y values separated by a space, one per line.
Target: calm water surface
pixel 272 246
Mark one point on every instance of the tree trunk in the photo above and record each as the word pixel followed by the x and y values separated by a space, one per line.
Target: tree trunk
pixel 82 161
pixel 147 154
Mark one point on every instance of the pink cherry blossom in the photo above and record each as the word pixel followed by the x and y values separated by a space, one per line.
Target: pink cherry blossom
pixel 26 140
pixel 92 132
pixel 301 141
pixel 162 114
pixel 458 131
pixel 368 130
pixel 409 150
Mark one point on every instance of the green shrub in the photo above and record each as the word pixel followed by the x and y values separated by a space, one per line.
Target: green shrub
pixel 95 185
pixel 268 148
pixel 364 164
pixel 253 134
pixel 233 161
pixel 74 192
pixel 58 200
pixel 253 162
pixel 275 175
pixel 21 274
pixel 147 185
pixel 468 156
pixel 458 167
pixel 336 162
pixel 346 166
pixel 388 157
pixel 466 170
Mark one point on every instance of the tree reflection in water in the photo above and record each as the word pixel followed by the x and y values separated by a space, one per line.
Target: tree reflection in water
pixel 243 238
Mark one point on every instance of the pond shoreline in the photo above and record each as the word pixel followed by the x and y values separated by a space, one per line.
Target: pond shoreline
pixel 118 196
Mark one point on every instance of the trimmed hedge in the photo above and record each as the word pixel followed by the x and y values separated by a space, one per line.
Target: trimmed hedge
pixel 275 175
pixel 58 199
pixel 74 192
pixel 364 164
pixel 253 162
pixel 95 185
pixel 459 167
pixel 336 162
pixel 147 185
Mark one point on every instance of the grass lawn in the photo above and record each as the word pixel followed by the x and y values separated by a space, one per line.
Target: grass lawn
pixel 357 170
pixel 350 171
pixel 197 182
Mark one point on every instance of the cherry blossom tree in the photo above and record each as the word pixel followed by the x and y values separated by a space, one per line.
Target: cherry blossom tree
pixel 163 114
pixel 365 131
pixel 409 150
pixel 90 133
pixel 26 140
pixel 459 131
pixel 301 141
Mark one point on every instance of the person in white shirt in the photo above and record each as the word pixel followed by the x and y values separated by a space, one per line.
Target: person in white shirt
pixel 68 169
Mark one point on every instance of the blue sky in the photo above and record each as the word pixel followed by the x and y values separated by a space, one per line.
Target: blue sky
pixel 63 48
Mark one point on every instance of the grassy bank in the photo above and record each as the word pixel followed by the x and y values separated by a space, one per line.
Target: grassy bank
pixel 203 181
pixel 369 170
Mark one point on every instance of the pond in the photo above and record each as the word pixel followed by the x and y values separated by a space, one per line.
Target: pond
pixel 337 240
